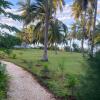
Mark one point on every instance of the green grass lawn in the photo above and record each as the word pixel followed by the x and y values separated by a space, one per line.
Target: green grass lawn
pixel 64 73
pixel 74 63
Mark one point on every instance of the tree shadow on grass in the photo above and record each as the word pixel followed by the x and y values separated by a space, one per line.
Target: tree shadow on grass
pixel 89 88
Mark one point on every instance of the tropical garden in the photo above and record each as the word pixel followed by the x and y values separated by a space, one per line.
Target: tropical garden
pixel 67 70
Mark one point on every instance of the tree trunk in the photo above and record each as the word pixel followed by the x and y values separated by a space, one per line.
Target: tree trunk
pixel 70 45
pixel 83 18
pixel 82 44
pixel 45 55
pixel 56 48
pixel 93 32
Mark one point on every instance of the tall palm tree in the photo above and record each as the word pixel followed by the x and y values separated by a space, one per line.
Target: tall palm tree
pixel 53 5
pixel 57 32
pixel 83 8
pixel 94 26
pixel 35 12
pixel 79 9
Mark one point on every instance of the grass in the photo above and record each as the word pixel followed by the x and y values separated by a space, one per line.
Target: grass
pixel 65 74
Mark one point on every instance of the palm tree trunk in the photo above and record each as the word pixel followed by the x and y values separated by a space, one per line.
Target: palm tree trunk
pixel 70 45
pixel 45 55
pixel 82 44
pixel 83 34
pixel 94 23
pixel 56 48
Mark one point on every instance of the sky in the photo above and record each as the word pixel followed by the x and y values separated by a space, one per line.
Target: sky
pixel 64 16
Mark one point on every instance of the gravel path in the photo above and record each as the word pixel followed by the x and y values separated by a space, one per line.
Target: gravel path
pixel 23 86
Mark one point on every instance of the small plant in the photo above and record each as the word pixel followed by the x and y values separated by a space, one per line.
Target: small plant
pixel 45 72
pixel 71 85
pixel 30 64
pixel 62 69
pixel 14 56
pixel 2 68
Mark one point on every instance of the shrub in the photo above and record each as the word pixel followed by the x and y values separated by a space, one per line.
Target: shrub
pixel 57 88
pixel 97 56
pixel 7 51
pixel 71 84
pixel 67 48
pixel 14 56
pixel 3 81
pixel 2 55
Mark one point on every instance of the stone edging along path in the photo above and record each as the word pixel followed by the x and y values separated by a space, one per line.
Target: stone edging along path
pixel 23 86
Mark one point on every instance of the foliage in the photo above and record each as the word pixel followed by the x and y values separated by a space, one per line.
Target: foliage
pixel 97 34
pixel 8 41
pixel 4 4
pixel 7 51
pixel 76 47
pixel 27 34
pixel 97 56
pixel 14 56
pixel 3 82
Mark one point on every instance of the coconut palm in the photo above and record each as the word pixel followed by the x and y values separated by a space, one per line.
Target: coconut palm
pixel 53 6
pixel 79 9
pixel 82 9
pixel 94 25
pixel 57 32
pixel 36 13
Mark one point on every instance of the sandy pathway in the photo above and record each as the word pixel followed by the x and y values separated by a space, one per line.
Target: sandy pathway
pixel 23 86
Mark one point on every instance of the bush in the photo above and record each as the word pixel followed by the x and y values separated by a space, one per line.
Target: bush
pixel 58 89
pixel 14 56
pixel 67 49
pixel 2 55
pixel 3 82
pixel 7 51
pixel 97 56
pixel 76 48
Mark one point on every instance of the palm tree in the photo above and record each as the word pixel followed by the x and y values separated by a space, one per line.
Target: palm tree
pixel 89 7
pixel 94 26
pixel 4 4
pixel 79 9
pixel 57 32
pixel 53 6
pixel 26 35
pixel 35 12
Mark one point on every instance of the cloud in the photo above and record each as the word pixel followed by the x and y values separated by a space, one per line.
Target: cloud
pixel 65 16
pixel 98 10
pixel 10 21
